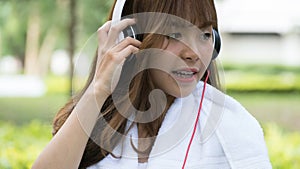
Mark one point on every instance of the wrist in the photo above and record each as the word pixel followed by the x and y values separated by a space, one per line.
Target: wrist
pixel 98 91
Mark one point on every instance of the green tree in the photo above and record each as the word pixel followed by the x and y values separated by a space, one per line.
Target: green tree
pixel 32 29
pixel 29 29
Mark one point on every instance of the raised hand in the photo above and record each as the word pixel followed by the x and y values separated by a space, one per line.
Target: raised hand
pixel 111 56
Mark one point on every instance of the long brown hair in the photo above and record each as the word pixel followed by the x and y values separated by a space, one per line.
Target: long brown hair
pixel 197 12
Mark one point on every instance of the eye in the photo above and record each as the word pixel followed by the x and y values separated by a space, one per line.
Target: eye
pixel 205 36
pixel 174 35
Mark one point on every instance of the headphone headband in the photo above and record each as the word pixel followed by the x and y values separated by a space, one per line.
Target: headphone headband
pixel 117 15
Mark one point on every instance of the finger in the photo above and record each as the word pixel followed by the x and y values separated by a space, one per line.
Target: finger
pixel 116 57
pixel 127 41
pixel 115 30
pixel 128 51
pixel 103 32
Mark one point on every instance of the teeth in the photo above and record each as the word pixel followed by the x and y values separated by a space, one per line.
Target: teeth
pixel 184 74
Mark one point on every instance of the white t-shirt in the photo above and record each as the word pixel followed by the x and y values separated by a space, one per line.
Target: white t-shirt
pixel 227 136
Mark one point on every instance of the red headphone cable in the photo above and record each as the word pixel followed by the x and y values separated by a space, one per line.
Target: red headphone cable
pixel 196 122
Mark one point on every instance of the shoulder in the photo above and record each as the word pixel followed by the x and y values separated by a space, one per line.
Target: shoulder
pixel 239 133
pixel 230 109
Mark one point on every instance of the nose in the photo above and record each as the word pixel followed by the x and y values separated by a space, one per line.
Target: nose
pixel 187 54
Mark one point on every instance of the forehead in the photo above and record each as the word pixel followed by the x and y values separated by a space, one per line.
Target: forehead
pixel 186 24
pixel 174 24
pixel 176 21
pixel 162 23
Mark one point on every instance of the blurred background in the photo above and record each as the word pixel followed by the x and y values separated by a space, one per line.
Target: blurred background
pixel 40 39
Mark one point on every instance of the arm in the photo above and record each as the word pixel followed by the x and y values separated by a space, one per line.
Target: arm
pixel 66 148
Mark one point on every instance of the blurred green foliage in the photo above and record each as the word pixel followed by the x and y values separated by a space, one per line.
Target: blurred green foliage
pixel 53 16
pixel 262 78
pixel 57 85
pixel 261 69
pixel 23 110
pixel 22 140
pixel 15 16
pixel 20 145
pixel 238 78
pixel 283 146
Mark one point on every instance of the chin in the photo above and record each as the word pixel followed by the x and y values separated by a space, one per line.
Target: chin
pixel 181 93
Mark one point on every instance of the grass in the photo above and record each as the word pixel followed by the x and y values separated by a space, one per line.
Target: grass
pixel 24 110
pixel 20 110
pixel 25 122
pixel 281 108
pixel 269 92
pixel 262 78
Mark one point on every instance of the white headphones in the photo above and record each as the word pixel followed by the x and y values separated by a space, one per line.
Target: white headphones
pixel 131 30
pixel 116 17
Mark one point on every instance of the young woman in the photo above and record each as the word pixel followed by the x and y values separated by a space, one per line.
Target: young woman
pixel 146 113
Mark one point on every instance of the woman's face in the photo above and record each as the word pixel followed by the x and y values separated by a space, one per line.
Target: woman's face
pixel 186 54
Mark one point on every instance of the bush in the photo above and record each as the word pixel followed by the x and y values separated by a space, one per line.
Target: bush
pixel 252 82
pixel 263 78
pixel 57 84
pixel 20 145
pixel 283 146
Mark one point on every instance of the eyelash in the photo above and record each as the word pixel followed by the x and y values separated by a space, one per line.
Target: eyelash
pixel 171 36
pixel 205 36
pixel 177 36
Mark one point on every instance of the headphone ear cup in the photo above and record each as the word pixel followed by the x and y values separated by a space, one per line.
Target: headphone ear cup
pixel 133 32
pixel 129 31
pixel 217 44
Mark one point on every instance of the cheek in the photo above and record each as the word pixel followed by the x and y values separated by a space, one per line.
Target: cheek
pixel 160 78
pixel 164 82
pixel 162 60
pixel 205 56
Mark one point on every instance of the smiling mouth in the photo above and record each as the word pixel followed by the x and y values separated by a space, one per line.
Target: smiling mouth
pixel 185 75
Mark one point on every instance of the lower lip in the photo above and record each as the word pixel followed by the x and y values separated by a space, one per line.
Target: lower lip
pixel 185 80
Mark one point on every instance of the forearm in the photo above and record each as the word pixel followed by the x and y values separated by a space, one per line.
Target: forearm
pixel 67 146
